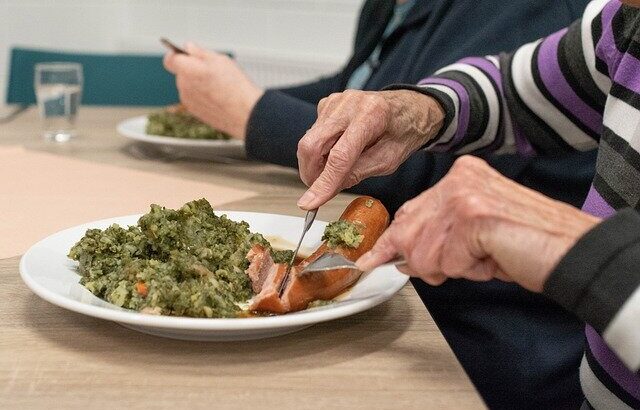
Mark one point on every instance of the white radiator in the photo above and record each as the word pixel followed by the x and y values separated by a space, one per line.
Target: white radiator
pixel 278 70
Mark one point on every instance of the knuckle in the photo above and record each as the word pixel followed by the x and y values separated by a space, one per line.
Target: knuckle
pixel 450 268
pixel 384 242
pixel 322 185
pixel 335 96
pixel 470 206
pixel 389 163
pixel 434 280
pixel 377 103
pixel 382 169
pixel 401 241
pixel 305 146
pixel 339 157
pixel 404 212
pixel 323 102
pixel 468 163
pixel 354 178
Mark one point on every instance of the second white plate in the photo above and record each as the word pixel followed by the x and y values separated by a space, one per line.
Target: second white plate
pixel 135 129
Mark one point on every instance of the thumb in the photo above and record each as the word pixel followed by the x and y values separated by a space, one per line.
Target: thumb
pixel 383 251
pixel 169 62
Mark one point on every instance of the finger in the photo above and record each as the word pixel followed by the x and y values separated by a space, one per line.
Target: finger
pixel 314 146
pixel 374 161
pixel 168 61
pixel 335 103
pixel 194 50
pixel 342 157
pixel 435 279
pixel 179 63
pixel 383 251
pixel 501 275
pixel 483 270
pixel 204 54
pixel 215 57
pixel 424 230
pixel 407 270
pixel 331 180
pixel 324 104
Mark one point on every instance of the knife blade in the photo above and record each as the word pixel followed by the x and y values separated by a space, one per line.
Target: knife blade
pixel 308 221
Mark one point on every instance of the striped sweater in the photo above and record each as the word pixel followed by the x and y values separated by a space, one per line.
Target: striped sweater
pixel 578 89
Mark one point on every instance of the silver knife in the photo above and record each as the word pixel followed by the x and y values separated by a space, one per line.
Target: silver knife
pixel 332 260
pixel 308 221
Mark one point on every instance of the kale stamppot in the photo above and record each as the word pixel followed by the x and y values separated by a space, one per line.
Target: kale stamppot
pixel 188 262
pixel 181 124
pixel 342 233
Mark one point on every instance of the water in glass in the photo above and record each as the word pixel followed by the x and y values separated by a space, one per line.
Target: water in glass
pixel 58 92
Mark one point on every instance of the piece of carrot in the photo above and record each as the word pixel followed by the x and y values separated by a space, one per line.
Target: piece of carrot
pixel 141 288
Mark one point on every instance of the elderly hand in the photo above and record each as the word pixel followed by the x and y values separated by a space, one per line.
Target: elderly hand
pixel 477 224
pixel 214 89
pixel 359 134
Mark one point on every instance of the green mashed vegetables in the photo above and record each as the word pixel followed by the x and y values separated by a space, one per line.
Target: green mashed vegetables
pixel 185 262
pixel 342 233
pixel 181 124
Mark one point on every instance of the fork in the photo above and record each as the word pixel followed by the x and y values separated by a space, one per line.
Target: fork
pixel 331 260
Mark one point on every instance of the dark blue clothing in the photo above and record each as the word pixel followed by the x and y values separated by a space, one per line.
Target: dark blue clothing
pixel 520 349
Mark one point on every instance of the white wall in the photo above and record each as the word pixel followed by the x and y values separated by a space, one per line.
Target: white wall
pixel 276 40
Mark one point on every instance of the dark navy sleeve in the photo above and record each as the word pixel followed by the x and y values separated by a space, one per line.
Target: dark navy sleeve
pixel 314 91
pixel 276 124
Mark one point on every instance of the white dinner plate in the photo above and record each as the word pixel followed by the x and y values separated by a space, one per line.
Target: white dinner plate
pixel 48 272
pixel 135 129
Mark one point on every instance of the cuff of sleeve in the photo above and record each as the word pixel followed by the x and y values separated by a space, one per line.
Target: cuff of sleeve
pixel 443 99
pixel 601 271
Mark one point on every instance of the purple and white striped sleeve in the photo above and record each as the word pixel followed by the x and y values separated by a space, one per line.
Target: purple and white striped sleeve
pixel 546 97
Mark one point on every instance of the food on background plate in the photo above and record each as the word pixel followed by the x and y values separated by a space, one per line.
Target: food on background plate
pixel 192 262
pixel 175 121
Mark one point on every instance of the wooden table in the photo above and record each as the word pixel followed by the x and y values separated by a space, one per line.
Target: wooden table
pixel 392 356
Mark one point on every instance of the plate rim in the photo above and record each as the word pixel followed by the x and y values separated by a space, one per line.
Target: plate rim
pixel 173 141
pixel 203 324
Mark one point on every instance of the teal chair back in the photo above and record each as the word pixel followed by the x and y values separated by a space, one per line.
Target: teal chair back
pixel 109 79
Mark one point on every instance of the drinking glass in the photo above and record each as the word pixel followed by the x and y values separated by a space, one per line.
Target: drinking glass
pixel 58 89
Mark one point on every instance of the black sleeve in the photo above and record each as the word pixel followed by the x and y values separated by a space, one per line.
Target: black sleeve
pixel 314 91
pixel 602 270
pixel 276 124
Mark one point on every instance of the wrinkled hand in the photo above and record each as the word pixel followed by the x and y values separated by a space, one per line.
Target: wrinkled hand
pixel 214 89
pixel 477 224
pixel 359 134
